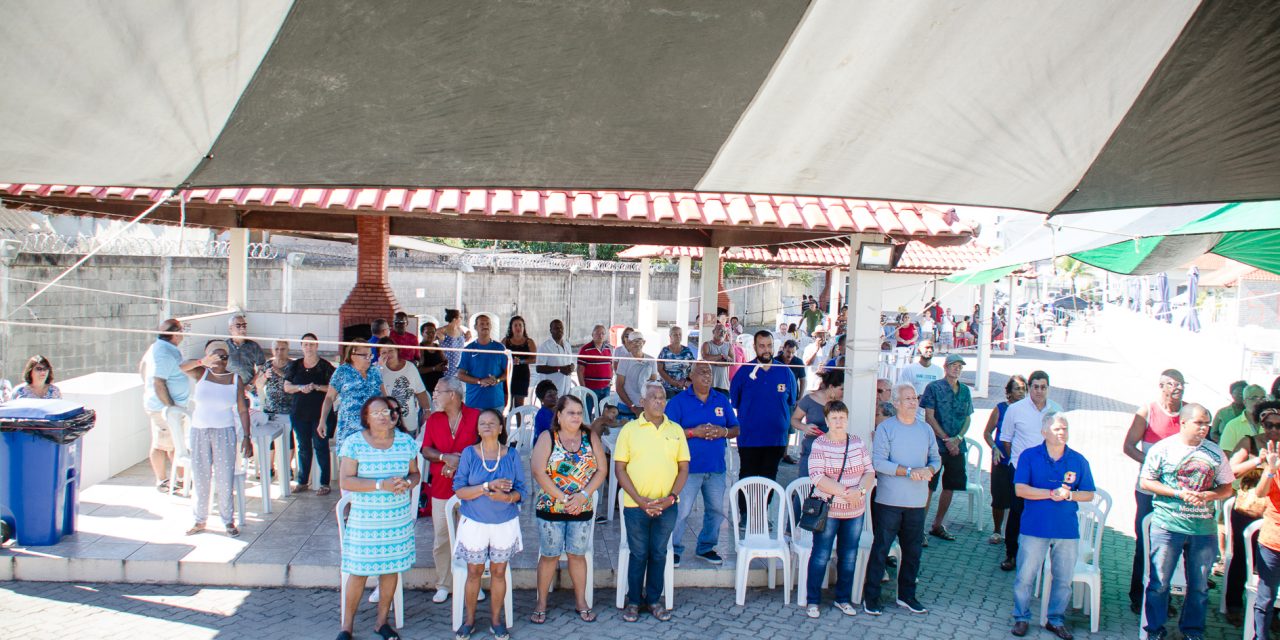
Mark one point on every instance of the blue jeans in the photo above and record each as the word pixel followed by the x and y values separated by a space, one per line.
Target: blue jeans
pixel 648 538
pixel 1268 568
pixel 1031 551
pixel 1198 553
pixel 711 486
pixel 844 534
pixel 906 524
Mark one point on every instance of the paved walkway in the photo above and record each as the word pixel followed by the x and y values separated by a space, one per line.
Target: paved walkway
pixel 1096 378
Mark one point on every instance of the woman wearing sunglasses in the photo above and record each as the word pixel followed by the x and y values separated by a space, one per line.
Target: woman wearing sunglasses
pixel 1248 462
pixel 354 383
pixel 379 469
pixel 37 377
pixel 1267 555
pixel 218 398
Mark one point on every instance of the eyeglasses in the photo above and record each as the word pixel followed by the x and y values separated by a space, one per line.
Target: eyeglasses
pixel 1271 425
pixel 1174 385
pixel 366 354
pixel 41 368
pixel 241 325
pixel 384 412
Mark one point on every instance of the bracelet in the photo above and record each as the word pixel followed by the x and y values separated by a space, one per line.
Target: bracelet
pixel 377 486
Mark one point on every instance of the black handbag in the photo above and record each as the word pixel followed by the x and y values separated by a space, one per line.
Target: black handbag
pixel 813 512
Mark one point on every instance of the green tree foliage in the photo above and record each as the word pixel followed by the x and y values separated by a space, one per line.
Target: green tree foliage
pixel 603 251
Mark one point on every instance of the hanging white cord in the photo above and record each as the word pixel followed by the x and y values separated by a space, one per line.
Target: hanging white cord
pixel 168 194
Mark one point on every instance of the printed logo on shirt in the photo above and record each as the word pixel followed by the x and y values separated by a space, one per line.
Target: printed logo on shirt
pixel 1069 478
pixel 719 412
pixel 782 388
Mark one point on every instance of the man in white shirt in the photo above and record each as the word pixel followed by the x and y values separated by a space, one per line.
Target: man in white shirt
pixel 920 374
pixel 556 368
pixel 1022 429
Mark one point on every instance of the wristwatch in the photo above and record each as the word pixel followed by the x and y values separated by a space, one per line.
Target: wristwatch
pixel 486 487
pixel 908 473
pixel 378 485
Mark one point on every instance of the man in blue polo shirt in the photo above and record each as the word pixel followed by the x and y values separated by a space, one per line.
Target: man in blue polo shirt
pixel 763 393
pixel 1051 479
pixel 484 373
pixel 708 421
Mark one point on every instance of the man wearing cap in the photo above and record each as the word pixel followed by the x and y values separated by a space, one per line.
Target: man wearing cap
pixel 403 338
pixel 633 370
pixel 948 408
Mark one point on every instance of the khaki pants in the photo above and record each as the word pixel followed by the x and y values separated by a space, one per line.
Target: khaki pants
pixel 440 547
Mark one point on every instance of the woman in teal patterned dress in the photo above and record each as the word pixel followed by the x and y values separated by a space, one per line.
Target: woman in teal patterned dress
pixel 353 383
pixel 379 471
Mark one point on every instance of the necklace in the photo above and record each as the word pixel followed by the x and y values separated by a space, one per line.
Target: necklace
pixel 485 463
pixel 578 442
pixel 454 422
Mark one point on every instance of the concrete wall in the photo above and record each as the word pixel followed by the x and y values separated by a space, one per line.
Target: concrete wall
pixel 540 296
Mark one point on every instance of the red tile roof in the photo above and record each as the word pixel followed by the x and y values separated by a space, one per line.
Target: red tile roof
pixel 665 208
pixel 917 257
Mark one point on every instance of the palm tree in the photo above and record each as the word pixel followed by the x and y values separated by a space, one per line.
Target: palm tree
pixel 1072 269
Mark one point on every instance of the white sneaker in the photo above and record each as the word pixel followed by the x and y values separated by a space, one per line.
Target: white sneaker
pixel 847 608
pixel 440 596
pixel 373 597
pixel 812 611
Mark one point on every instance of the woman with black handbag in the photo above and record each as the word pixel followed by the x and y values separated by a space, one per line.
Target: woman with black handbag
pixel 842 475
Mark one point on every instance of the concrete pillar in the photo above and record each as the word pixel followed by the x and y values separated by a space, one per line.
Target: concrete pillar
pixel 644 308
pixel 862 342
pixel 682 293
pixel 1010 312
pixel 238 269
pixel 982 385
pixel 710 288
pixel 837 287
pixel 166 287
pixel 457 290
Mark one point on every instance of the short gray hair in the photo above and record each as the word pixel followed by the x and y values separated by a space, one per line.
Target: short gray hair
pixel 897 390
pixel 1051 419
pixel 455 385
pixel 232 320
pixel 654 384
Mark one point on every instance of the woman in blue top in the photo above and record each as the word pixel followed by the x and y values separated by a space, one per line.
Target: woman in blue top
pixel 354 383
pixel 1001 471
pixel 674 363
pixel 452 336
pixel 379 470
pixel 37 380
pixel 490 484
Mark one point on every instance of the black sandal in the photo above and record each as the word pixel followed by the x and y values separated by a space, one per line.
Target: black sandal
pixel 344 635
pixel 1008 564
pixel 538 617
pixel 387 632
pixel 631 613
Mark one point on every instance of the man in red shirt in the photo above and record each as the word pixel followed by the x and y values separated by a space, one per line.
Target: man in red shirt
pixel 403 338
pixel 595 363
pixel 449 431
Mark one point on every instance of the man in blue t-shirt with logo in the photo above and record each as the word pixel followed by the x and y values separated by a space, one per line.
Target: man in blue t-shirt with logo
pixel 1051 479
pixel 708 420
pixel 763 394
pixel 484 373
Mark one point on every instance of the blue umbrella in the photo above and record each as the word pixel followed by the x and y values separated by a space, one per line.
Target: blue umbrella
pixel 1192 320
pixel 1162 298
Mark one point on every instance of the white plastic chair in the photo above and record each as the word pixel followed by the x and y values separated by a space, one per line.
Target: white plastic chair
pixel 731 459
pixel 397 602
pixel 973 487
pixel 590 556
pixel 454 510
pixel 624 553
pixel 610 441
pixel 590 403
pixel 799 540
pixel 763 536
pixel 264 432
pixel 520 428
pixel 1177 581
pixel 1086 572
pixel 1228 549
pixel 1251 578
pixel 865 543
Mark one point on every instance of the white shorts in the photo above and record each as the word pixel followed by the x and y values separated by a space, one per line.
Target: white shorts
pixel 479 542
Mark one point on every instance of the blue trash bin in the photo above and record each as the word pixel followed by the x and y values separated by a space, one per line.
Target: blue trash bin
pixel 40 468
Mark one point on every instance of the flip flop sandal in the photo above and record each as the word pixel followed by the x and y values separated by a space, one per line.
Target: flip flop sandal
pixel 587 615
pixel 500 632
pixel 662 613
pixel 538 617
pixel 463 633
pixel 323 491
pixel 630 613
pixel 387 632
pixel 199 528
pixel 233 531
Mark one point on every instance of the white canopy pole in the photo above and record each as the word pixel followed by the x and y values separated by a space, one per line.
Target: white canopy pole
pixel 862 342
pixel 710 293
pixel 982 386
pixel 682 294
pixel 238 269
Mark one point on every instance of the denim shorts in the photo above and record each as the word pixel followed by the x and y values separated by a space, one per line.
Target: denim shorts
pixel 562 536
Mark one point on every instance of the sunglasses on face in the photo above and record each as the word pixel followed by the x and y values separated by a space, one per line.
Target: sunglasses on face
pixel 1271 424
pixel 44 369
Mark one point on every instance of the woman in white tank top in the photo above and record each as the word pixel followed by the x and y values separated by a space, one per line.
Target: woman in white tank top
pixel 218 397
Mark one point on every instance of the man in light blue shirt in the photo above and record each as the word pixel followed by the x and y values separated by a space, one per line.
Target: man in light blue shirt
pixel 164 385
pixel 905 456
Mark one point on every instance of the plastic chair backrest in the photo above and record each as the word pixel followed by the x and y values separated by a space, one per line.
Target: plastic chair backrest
pixel 973 458
pixel 1091 529
pixel 1102 500
pixel 520 427
pixel 174 417
pixel 453 512
pixel 796 492
pixel 339 512
pixel 1251 541
pixel 758 492
pixel 1226 521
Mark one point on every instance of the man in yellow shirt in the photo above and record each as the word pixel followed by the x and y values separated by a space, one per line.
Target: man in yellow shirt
pixel 651 459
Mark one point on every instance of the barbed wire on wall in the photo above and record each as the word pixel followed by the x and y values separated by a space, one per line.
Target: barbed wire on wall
pixel 53 243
